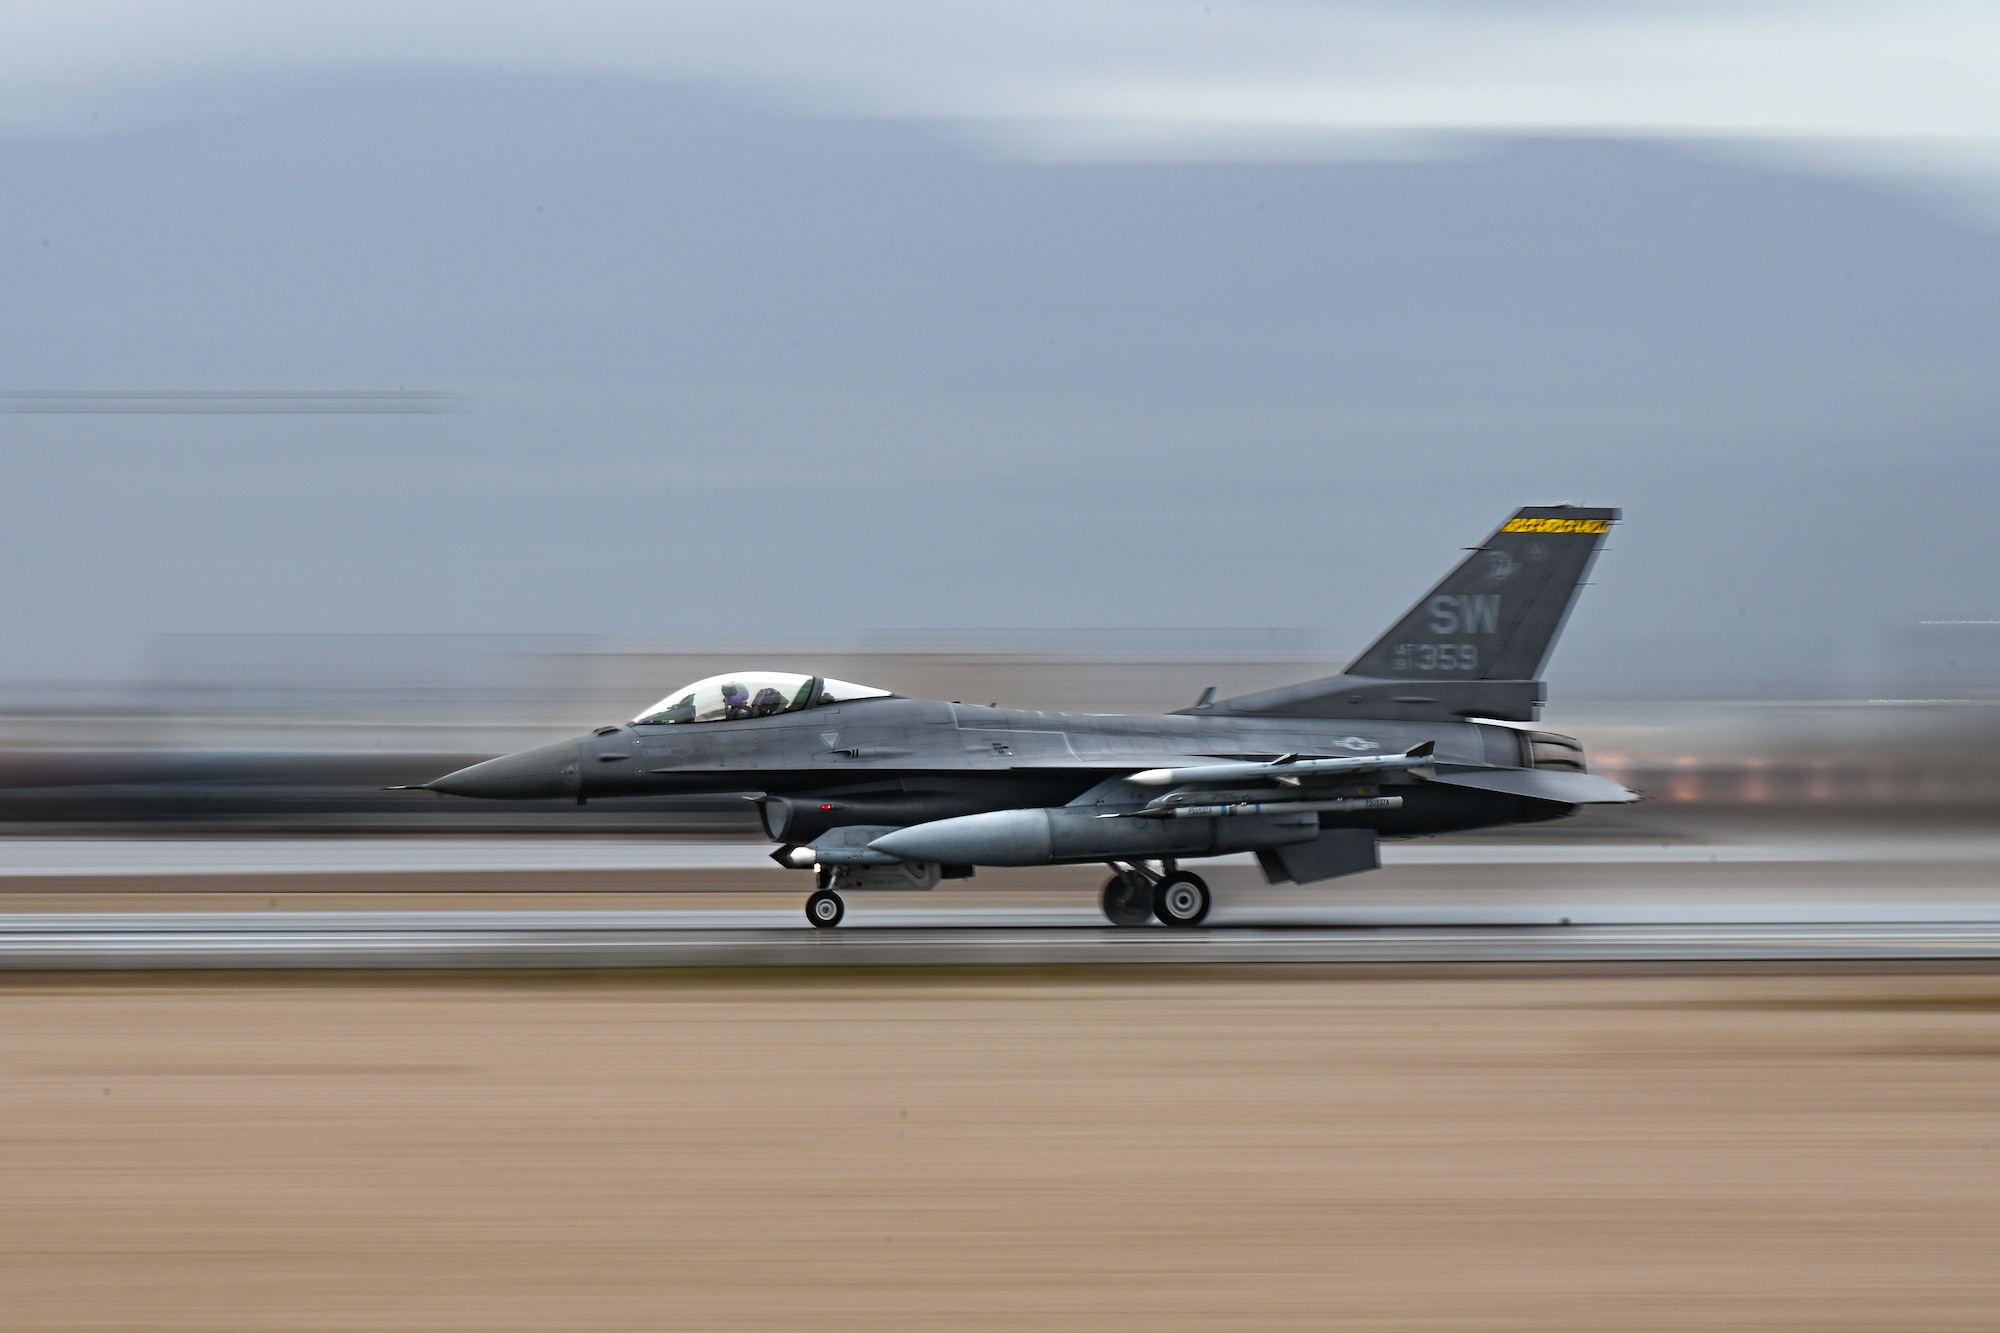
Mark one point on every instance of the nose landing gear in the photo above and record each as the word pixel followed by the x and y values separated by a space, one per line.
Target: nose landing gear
pixel 824 909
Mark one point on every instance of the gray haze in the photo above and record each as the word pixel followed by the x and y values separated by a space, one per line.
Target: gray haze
pixel 720 372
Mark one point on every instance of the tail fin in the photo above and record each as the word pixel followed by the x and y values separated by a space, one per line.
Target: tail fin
pixel 1497 615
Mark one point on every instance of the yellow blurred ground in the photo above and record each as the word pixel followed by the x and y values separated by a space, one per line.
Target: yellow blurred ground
pixel 1158 1151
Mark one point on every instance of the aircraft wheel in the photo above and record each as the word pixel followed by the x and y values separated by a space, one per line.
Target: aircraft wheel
pixel 1128 899
pixel 1181 899
pixel 824 909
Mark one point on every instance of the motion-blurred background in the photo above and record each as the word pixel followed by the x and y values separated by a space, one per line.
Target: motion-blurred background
pixel 384 386
pixel 389 385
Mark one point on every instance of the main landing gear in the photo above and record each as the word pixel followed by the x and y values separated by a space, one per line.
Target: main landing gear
pixel 1182 899
pixel 1128 898
pixel 1135 896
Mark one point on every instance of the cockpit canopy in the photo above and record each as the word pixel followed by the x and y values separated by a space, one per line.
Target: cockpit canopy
pixel 742 694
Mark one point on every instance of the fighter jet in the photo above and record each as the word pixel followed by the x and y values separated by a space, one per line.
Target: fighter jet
pixel 1428 731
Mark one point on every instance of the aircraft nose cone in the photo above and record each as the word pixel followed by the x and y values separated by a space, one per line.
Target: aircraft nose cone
pixel 546 770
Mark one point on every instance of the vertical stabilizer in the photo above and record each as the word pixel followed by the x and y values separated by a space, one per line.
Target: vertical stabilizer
pixel 1497 615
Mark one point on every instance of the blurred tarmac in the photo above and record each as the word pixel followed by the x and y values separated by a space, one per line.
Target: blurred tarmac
pixel 1007 937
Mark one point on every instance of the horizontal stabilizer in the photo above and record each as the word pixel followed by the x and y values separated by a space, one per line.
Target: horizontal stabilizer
pixel 1543 785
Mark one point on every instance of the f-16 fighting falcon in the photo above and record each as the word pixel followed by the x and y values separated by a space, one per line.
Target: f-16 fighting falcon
pixel 1425 732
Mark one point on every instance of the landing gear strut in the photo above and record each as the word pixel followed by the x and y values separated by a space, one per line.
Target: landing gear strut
pixel 1128 898
pixel 1182 899
pixel 824 909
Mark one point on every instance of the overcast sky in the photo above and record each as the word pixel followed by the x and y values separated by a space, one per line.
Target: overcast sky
pixel 1906 86
pixel 781 320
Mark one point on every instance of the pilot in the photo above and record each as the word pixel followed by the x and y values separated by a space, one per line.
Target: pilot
pixel 735 701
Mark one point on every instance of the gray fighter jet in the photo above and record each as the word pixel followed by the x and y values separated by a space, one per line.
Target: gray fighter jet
pixel 1426 732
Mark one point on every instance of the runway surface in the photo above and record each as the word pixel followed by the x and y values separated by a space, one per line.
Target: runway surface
pixel 1008 937
pixel 1775 895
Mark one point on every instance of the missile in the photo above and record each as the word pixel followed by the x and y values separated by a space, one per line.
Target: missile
pixel 1415 757
pixel 1261 808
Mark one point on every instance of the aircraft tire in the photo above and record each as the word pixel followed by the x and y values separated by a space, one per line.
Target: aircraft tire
pixel 824 909
pixel 1182 899
pixel 1128 899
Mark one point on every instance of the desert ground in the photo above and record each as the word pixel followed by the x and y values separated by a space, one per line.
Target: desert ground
pixel 1168 1149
